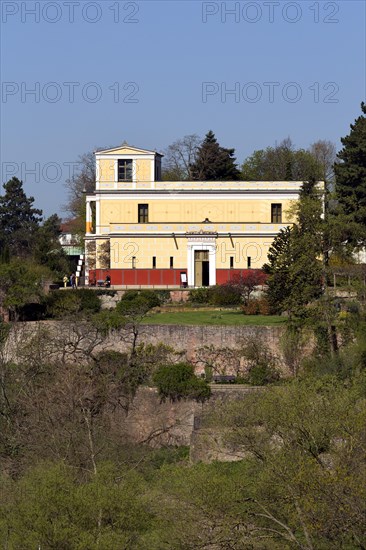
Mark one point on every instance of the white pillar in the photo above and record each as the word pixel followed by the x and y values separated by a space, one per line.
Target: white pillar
pixel 88 228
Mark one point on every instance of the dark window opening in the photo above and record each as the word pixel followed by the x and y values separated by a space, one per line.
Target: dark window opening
pixel 143 213
pixel 124 170
pixel 276 213
pixel 249 262
pixel 154 262
pixel 171 262
pixel 231 262
pixel 133 262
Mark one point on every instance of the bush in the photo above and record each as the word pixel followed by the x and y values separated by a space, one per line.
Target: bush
pixel 178 381
pixel 261 375
pixel 150 296
pixel 200 295
pixel 61 303
pixel 225 295
pixel 261 363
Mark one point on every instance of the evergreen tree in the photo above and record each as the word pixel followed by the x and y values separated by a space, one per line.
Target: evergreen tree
pixel 295 269
pixel 278 269
pixel 19 221
pixel 306 269
pixel 213 162
pixel 351 173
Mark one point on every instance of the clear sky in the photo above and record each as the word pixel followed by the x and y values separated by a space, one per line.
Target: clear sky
pixel 151 72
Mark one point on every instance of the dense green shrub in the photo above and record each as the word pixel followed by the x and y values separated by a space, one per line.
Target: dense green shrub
pixel 261 374
pixel 150 296
pixel 61 303
pixel 178 381
pixel 200 295
pixel 225 295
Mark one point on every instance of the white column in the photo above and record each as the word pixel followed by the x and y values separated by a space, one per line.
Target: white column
pixel 97 218
pixel 88 228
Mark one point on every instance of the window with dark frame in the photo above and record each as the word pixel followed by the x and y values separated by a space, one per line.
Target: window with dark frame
pixel 231 262
pixel 276 213
pixel 171 262
pixel 154 262
pixel 143 213
pixel 249 262
pixel 133 262
pixel 124 170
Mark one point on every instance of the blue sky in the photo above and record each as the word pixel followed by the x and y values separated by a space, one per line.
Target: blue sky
pixel 151 72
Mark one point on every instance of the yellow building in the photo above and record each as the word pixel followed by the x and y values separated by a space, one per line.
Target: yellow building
pixel 142 231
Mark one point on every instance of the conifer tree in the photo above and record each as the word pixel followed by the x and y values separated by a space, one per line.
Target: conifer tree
pixel 295 267
pixel 213 162
pixel 278 269
pixel 19 221
pixel 351 173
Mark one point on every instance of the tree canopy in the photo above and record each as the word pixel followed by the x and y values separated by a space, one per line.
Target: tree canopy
pixel 294 267
pixel 213 162
pixel 283 162
pixel 19 220
pixel 351 173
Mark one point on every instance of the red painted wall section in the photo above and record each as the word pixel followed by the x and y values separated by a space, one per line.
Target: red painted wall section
pixel 162 277
pixel 138 277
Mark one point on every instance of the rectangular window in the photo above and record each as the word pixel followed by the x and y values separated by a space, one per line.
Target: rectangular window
pixel 231 262
pixel 276 213
pixel 249 262
pixel 171 262
pixel 143 213
pixel 124 170
pixel 133 262
pixel 154 262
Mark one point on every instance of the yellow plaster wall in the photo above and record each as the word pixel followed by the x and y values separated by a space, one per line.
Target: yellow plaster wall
pixel 144 170
pixel 144 248
pixel 191 211
pixel 106 170
pixel 254 247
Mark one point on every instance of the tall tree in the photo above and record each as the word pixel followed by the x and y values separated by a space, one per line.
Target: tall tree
pixel 19 220
pixel 213 162
pixel 306 270
pixel 350 173
pixel 324 151
pixel 295 268
pixel 47 247
pixel 280 163
pixel 179 157
pixel 278 269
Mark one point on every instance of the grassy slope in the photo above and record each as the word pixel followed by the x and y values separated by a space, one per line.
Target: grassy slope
pixel 213 317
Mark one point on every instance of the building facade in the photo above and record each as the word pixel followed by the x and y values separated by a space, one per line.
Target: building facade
pixel 141 231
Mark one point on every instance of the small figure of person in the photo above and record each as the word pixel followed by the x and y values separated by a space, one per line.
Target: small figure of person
pixel 107 282
pixel 73 280
pixel 65 280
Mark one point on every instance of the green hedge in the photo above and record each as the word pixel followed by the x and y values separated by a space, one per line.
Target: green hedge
pixel 61 303
pixel 178 381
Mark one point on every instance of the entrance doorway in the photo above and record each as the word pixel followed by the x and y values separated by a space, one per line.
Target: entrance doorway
pixel 201 268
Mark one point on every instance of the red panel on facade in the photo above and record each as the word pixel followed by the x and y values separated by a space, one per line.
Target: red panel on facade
pixel 138 277
pixel 163 277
